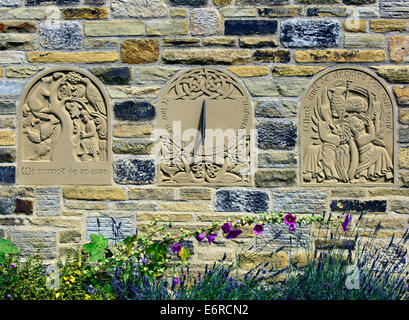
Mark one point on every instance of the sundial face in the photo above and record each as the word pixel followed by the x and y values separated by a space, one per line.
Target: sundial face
pixel 63 138
pixel 347 130
pixel 204 119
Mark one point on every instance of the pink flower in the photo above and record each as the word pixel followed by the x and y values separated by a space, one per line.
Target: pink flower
pixel 258 228
pixel 211 237
pixel 292 227
pixel 200 237
pixel 176 247
pixel 289 219
pixel 226 227
pixel 12 266
pixel 346 222
pixel 176 280
pixel 233 234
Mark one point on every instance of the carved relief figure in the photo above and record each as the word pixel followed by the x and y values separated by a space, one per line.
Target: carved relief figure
pixel 347 141
pixel 64 110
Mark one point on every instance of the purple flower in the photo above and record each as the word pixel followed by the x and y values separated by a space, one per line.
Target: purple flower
pixel 176 280
pixel 143 261
pixel 176 247
pixel 233 234
pixel 258 228
pixel 289 219
pixel 226 227
pixel 9 296
pixel 12 266
pixel 200 237
pixel 292 227
pixel 211 237
pixel 346 222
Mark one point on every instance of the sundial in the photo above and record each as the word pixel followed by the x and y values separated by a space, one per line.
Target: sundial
pixel 204 122
pixel 64 118
pixel 347 130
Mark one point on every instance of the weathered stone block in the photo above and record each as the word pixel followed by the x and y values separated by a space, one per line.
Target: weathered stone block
pixel 112 75
pixel 208 56
pixel 195 3
pixel 48 202
pixel 300 201
pixel 139 8
pixel 340 55
pixel 265 2
pixel 7 174
pixel 24 206
pixel 250 27
pixel 7 205
pixel 357 206
pixel 51 2
pixel 329 11
pixel 132 130
pixel 310 33
pixel 295 71
pixel 72 57
pixel 271 56
pixel 139 51
pixel 276 135
pixel 353 25
pixel 132 147
pixel 152 193
pixel 279 235
pixel 277 159
pixel 134 110
pixel 241 201
pixel 18 26
pixel 288 87
pixel 181 42
pixel 22 72
pixel 236 12
pixel 18 42
pixel 134 171
pixel 70 236
pixel 394 9
pixel 7 138
pixel 249 71
pixel 60 35
pixel 386 25
pixel 399 48
pixel 394 74
pixel 115 229
pixel 10 88
pixel 30 241
pixel 280 11
pixel 402 95
pixel 146 74
pixel 7 155
pixel 363 41
pixel 124 92
pixel 166 27
pixel 205 22
pixel 283 108
pixel 101 43
pixel 275 177
pixel 114 28
pixel 84 13
pixel 94 193
pixel 259 42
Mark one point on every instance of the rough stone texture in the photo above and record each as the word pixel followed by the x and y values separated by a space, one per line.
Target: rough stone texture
pixel 134 110
pixel 234 12
pixel 289 87
pixel 114 28
pixel 206 56
pixel 364 41
pixel 12 57
pixel 182 42
pixel 310 34
pixel 358 2
pixel 139 8
pixel 101 43
pixel 22 72
pixel 134 171
pixel 404 116
pixel 166 27
pixel 265 2
pixel 85 13
pixel 295 71
pixel 280 11
pixel 241 201
pixel 394 74
pixel 18 26
pixel 399 48
pixel 18 42
pixel 70 236
pixel 113 75
pixel 10 3
pixel 7 107
pixel 60 35
pixel 72 57
pixel 339 55
pixel 205 22
pixel 355 25
pixel 28 242
pixel 329 11
pixel 7 155
pixel 120 92
pixel 51 2
pixel 276 135
pixel 152 193
pixel 146 74
pixel 108 227
pixel 259 42
pixel 300 201
pixel 402 95
pixel 370 206
pixel 139 51
pixel 94 193
pixel 249 27
pixel 220 41
pixel 7 138
pixel 132 147
pixel 48 202
pixel 386 25
pixel 132 130
pixel 195 3
pixel 271 56
pixel 248 71
pixel 275 177
pixel 7 206
pixel 278 235
pixel 276 159
pixel 24 206
pixel 394 8
pixel 283 108
pixel 10 88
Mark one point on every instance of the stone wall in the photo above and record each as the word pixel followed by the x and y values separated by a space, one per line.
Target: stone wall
pixel 134 47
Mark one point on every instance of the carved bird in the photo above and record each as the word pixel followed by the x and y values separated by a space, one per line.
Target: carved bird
pixel 94 97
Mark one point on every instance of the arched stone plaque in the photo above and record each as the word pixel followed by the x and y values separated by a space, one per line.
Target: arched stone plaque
pixel 63 130
pixel 347 129
pixel 205 120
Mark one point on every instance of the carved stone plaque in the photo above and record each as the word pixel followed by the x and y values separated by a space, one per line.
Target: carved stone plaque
pixel 63 138
pixel 347 129
pixel 205 121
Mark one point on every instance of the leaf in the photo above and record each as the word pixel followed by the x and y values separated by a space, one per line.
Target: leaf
pixel 184 254
pixel 97 247
pixel 6 247
pixel 158 251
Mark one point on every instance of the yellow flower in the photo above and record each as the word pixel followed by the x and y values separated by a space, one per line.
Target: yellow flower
pixel 87 297
pixel 72 279
pixel 77 272
pixel 57 295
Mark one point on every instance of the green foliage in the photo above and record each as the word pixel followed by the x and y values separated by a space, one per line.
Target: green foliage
pixel 6 247
pixel 97 248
